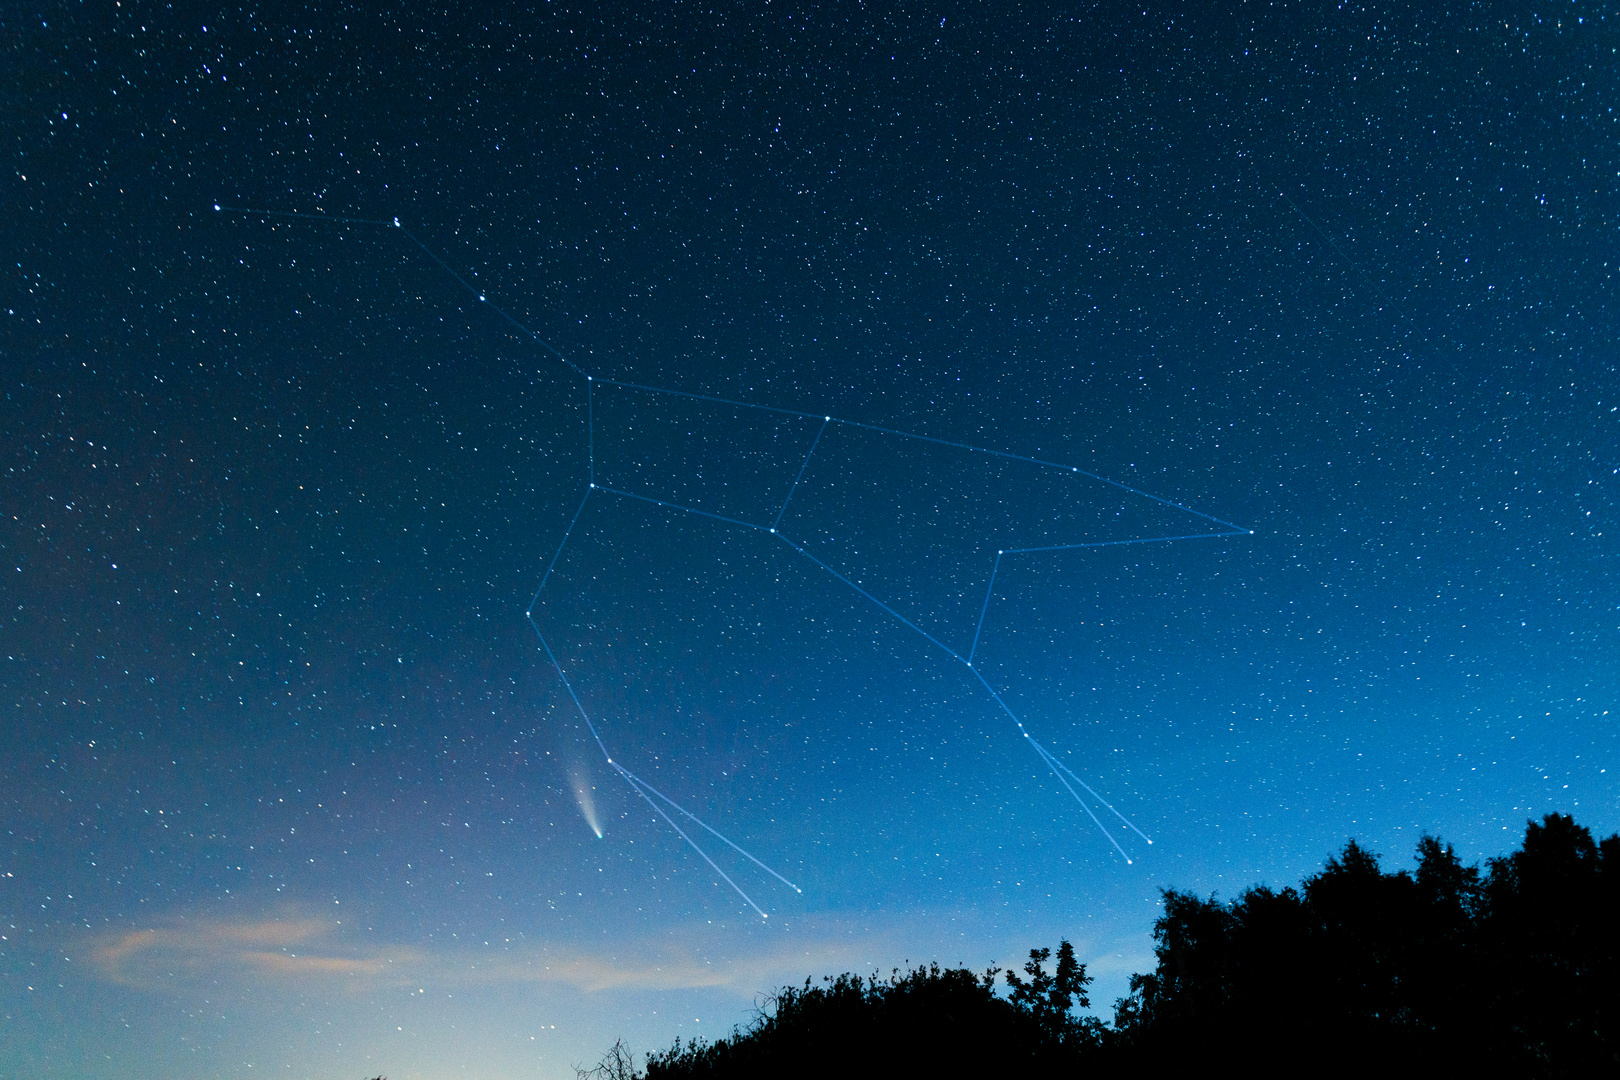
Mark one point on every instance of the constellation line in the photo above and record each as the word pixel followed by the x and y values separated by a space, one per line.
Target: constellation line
pixel 678 506
pixel 1051 763
pixel 502 312
pixel 746 404
pixel 583 715
pixel 1236 530
pixel 923 438
pixel 566 534
pixel 1122 543
pixel 1099 798
pixel 719 836
pixel 804 465
pixel 1041 461
pixel 646 790
pixel 866 594
pixel 994 570
pixel 636 783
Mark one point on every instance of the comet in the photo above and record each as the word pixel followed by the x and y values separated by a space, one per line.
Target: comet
pixel 583 790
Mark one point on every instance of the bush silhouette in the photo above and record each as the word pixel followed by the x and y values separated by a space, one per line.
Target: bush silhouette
pixel 929 1020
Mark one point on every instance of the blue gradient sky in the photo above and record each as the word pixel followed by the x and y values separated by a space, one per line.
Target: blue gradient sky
pixel 288 787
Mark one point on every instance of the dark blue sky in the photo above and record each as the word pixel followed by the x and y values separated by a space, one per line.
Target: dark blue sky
pixel 286 781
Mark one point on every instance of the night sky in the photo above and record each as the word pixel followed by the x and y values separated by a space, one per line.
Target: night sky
pixel 288 784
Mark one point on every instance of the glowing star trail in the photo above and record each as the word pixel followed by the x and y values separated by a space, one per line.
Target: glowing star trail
pixel 823 424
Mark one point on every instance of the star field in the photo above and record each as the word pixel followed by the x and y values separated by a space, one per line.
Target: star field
pixel 286 782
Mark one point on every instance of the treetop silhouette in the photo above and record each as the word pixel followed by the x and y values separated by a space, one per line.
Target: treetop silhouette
pixel 1443 969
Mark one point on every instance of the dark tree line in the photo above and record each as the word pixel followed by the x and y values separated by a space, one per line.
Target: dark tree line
pixel 1444 970
pixel 931 1020
pixel 1512 971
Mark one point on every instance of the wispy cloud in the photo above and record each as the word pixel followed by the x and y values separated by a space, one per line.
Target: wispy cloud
pixel 260 947
pixel 311 951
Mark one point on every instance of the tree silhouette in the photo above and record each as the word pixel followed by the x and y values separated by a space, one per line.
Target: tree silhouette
pixel 1440 970
pixel 928 1020
pixel 617 1064
pixel 1049 999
